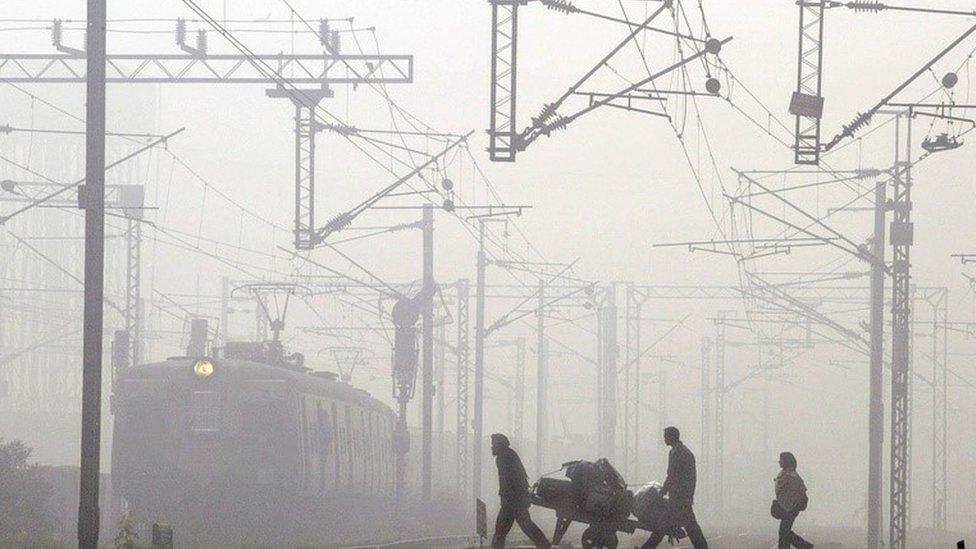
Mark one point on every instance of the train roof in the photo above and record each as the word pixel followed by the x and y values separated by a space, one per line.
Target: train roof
pixel 231 370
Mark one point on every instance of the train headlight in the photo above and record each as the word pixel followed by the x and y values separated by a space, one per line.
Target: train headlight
pixel 203 368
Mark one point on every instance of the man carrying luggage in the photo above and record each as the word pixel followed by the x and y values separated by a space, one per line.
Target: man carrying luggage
pixel 680 489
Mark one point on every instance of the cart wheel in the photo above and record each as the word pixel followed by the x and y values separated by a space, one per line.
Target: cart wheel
pixel 596 537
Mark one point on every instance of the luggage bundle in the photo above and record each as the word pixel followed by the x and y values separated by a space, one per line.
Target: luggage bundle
pixel 652 509
pixel 593 488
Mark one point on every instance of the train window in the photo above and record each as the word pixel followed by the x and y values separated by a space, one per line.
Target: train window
pixel 323 436
pixel 306 465
pixel 349 449
pixel 364 455
pixel 204 411
pixel 335 445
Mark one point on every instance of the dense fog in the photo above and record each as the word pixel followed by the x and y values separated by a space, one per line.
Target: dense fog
pixel 654 257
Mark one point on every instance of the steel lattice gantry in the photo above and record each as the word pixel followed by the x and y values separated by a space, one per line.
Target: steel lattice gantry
pixel 132 312
pixel 807 103
pixel 461 354
pixel 706 414
pixel 631 371
pixel 269 69
pixel 502 133
pixel 606 417
pixel 129 200
pixel 306 128
pixel 939 410
pixel 901 321
pixel 308 78
pixel 718 457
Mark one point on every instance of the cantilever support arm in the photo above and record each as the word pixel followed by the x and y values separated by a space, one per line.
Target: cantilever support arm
pixel 863 119
pixel 533 132
pixel 344 219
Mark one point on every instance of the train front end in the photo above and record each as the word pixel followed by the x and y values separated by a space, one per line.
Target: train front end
pixel 199 441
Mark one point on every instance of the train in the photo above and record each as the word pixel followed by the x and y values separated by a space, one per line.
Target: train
pixel 249 446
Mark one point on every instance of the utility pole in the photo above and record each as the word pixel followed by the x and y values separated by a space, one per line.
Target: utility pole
pixel 940 410
pixel 542 382
pixel 479 360
pixel 719 462
pixel 94 205
pixel 876 389
pixel 631 433
pixel 518 428
pixel 462 388
pixel 133 270
pixel 706 414
pixel 427 391
pixel 607 376
pixel 440 364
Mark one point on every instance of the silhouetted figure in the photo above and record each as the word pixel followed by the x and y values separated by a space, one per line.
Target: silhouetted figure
pixel 791 496
pixel 680 489
pixel 513 487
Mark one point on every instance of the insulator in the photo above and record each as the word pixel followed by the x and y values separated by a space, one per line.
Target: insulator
pixel 337 223
pixel 324 31
pixel 548 111
pixel 867 6
pixel 336 42
pixel 863 119
pixel 56 32
pixel 560 5
pixel 341 129
pixel 202 41
pixel 181 31
pixel 559 123
pixel 868 173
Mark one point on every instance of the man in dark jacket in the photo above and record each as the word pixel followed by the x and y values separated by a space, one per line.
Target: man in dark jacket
pixel 513 487
pixel 680 489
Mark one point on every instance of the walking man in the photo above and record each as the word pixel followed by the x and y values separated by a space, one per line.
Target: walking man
pixel 680 489
pixel 513 487
pixel 791 498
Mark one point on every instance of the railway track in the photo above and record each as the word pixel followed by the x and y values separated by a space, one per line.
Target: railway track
pixel 444 542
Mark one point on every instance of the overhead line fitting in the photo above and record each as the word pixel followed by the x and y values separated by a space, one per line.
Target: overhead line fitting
pixel 329 37
pixel 866 6
pixel 564 6
pixel 201 47
pixel 341 129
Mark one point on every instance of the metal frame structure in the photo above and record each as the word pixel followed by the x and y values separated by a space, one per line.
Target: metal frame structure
pixel 631 370
pixel 461 355
pixel 542 381
pixel 706 416
pixel 129 201
pixel 940 389
pixel 807 103
pixel 506 140
pixel 718 459
pixel 306 127
pixel 502 133
pixel 901 230
pixel 607 351
pixel 321 70
pixel 128 68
